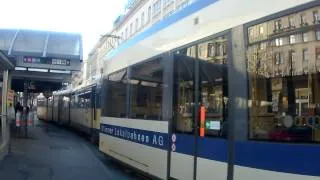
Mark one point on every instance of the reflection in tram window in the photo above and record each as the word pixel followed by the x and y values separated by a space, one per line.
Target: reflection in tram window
pixel 183 91
pixel 284 98
pixel 210 61
pixel 146 90
pixel 213 85
pixel 116 93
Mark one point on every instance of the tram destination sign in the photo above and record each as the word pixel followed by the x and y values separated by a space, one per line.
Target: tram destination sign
pixel 46 60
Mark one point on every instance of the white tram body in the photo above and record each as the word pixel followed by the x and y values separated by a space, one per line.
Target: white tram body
pixel 165 154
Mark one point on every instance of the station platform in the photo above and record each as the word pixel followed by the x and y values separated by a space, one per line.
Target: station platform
pixel 53 153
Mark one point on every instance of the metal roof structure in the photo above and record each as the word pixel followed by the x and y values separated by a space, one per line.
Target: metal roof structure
pixel 45 58
pixel 5 63
pixel 15 42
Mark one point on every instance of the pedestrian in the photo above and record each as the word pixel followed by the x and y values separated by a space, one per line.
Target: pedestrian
pixel 11 117
pixel 18 113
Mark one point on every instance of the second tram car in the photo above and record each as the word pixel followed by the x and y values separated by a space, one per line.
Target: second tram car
pixel 78 109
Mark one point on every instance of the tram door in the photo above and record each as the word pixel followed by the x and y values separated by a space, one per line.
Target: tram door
pixel 198 144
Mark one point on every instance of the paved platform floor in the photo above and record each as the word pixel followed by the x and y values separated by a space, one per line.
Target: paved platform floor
pixel 52 153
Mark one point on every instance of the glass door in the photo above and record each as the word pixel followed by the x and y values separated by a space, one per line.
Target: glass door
pixel 182 159
pixel 199 126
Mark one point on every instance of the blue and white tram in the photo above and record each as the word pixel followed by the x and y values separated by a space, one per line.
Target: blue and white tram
pixel 215 99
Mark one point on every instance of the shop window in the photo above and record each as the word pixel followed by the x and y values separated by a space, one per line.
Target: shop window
pixel 146 90
pixel 115 88
pixel 284 105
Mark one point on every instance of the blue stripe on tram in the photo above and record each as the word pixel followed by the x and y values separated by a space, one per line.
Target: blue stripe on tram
pixel 301 159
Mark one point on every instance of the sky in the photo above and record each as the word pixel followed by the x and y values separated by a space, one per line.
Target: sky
pixel 91 18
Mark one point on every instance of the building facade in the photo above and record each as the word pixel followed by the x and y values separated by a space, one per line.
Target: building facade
pixel 139 16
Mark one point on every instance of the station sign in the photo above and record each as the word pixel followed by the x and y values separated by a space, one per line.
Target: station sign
pixel 46 60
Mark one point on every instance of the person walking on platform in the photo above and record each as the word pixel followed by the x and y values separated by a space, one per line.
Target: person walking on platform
pixel 18 112
pixel 11 118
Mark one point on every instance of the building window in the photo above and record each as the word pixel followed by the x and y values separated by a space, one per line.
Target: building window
pixel 316 17
pixel 250 32
pixel 318 53
pixel 210 50
pixel 292 39
pixel 303 19
pixel 122 38
pixel 149 13
pixel 278 58
pixel 167 3
pixel 279 42
pixel 131 29
pixel 142 19
pixel 292 55
pixel 318 34
pixel 291 22
pixel 305 37
pixel 305 54
pixel 277 25
pixel 126 36
pixel 261 30
pixel 156 8
pixel 137 24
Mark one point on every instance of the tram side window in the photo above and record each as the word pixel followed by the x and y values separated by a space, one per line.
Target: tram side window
pixel 146 90
pixel 74 101
pixel 84 100
pixel 284 99
pixel 115 99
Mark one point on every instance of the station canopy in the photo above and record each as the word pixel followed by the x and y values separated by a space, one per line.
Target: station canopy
pixel 17 42
pixel 44 58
